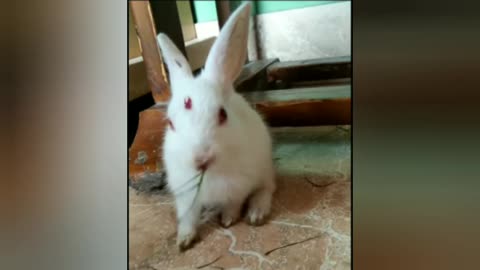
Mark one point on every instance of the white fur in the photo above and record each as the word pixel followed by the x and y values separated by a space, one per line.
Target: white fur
pixel 242 167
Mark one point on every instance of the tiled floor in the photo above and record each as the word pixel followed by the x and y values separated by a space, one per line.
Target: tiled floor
pixel 311 206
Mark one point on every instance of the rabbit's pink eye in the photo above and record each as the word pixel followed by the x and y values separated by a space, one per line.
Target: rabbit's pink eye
pixel 222 116
pixel 188 103
pixel 170 124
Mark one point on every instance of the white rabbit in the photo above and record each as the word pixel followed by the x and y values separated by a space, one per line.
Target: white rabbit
pixel 213 129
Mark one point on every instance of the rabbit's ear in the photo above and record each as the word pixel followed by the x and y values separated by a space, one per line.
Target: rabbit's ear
pixel 228 53
pixel 178 66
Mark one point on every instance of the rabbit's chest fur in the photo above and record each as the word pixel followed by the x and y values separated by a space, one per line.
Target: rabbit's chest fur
pixel 218 190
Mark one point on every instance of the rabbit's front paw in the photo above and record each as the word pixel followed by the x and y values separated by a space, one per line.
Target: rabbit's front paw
pixel 259 207
pixel 257 215
pixel 230 215
pixel 186 238
pixel 228 220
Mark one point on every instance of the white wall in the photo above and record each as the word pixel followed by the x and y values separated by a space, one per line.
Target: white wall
pixel 306 33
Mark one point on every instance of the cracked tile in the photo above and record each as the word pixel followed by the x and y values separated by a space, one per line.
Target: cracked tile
pixel 312 200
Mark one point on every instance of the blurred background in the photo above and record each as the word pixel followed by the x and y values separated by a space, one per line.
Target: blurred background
pixel 415 108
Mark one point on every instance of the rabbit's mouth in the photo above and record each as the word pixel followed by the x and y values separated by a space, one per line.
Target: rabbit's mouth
pixel 202 163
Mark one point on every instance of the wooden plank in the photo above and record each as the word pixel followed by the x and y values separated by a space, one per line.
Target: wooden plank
pixel 314 62
pixel 223 11
pixel 144 156
pixel 328 105
pixel 137 79
pixel 341 81
pixel 306 113
pixel 155 71
pixel 254 76
pixel 197 51
pixel 310 70
pixel 133 45
pixel 186 20
pixel 299 94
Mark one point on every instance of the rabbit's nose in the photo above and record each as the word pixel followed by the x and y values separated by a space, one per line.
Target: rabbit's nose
pixel 202 162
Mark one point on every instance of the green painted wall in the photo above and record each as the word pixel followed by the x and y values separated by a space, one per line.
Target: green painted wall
pixel 273 6
pixel 205 11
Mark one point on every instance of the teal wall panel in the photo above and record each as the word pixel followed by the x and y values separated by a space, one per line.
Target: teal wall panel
pixel 205 11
